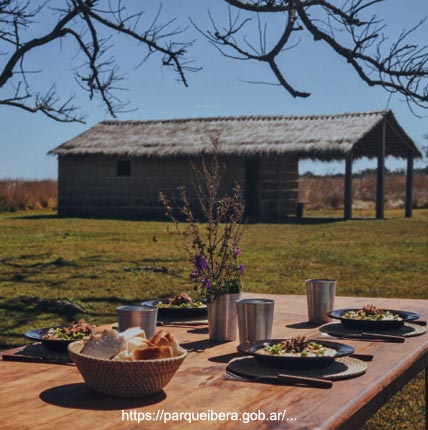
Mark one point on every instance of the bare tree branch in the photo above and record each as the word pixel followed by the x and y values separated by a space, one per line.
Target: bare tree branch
pixel 83 22
pixel 226 39
pixel 401 67
pixel 261 5
pixel 349 28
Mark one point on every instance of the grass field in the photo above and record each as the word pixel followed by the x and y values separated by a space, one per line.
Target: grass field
pixel 99 264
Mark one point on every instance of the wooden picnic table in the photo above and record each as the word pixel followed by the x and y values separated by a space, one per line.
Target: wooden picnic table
pixel 37 396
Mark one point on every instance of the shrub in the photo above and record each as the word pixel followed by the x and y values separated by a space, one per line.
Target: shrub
pixel 27 195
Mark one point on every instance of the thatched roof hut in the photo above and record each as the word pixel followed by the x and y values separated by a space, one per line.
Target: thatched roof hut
pixel 324 137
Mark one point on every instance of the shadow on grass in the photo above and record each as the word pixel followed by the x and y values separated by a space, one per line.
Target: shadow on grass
pixel 26 266
pixel 40 216
pixel 309 221
pixel 29 307
pixel 291 220
pixel 161 260
pixel 13 340
pixel 19 262
pixel 56 262
pixel 109 299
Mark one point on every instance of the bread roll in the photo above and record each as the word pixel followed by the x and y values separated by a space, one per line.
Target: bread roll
pixel 162 338
pixel 105 345
pixel 137 343
pixel 152 353
pixel 175 346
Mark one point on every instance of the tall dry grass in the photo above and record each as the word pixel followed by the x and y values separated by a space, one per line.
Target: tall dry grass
pixel 26 195
pixel 326 192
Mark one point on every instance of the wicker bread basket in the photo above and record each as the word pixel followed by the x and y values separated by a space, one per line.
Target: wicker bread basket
pixel 125 378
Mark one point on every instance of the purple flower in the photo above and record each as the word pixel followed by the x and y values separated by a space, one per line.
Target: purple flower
pixel 236 252
pixel 241 268
pixel 194 274
pixel 200 263
pixel 206 283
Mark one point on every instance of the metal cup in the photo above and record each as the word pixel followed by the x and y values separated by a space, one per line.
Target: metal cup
pixel 138 316
pixel 255 317
pixel 320 294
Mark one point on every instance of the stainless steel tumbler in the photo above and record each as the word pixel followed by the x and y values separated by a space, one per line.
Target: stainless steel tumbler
pixel 320 294
pixel 138 316
pixel 255 318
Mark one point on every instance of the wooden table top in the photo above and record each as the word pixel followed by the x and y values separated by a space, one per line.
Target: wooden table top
pixel 51 397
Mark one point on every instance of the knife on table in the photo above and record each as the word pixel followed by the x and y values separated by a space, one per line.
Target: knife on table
pixel 282 377
pixel 313 382
pixel 371 336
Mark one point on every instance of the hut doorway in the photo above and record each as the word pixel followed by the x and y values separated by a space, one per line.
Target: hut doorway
pixel 252 190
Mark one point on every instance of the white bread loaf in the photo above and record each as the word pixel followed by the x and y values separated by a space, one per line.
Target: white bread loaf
pixel 105 345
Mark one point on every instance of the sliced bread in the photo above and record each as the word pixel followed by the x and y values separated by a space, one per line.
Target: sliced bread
pixel 105 345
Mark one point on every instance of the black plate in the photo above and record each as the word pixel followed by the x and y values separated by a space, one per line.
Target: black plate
pixel 59 345
pixel 178 313
pixel 368 325
pixel 251 348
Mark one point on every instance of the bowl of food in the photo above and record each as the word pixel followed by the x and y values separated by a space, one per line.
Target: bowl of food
pixel 58 338
pixel 298 352
pixel 180 306
pixel 371 317
pixel 128 364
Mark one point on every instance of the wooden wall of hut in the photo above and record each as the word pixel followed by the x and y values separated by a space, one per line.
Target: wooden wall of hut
pixel 91 186
pixel 279 181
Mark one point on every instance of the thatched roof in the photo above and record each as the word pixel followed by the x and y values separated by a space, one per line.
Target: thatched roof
pixel 319 136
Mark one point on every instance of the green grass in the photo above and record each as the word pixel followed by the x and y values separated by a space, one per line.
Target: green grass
pixel 99 264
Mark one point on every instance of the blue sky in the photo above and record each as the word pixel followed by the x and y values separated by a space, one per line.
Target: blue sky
pixel 217 90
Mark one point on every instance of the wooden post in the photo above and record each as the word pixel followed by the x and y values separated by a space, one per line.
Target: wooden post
pixel 409 187
pixel 380 189
pixel 348 186
pixel 252 188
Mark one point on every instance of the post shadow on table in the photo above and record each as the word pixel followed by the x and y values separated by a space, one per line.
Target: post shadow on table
pixel 225 358
pixel 200 330
pixel 303 325
pixel 80 396
pixel 200 345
